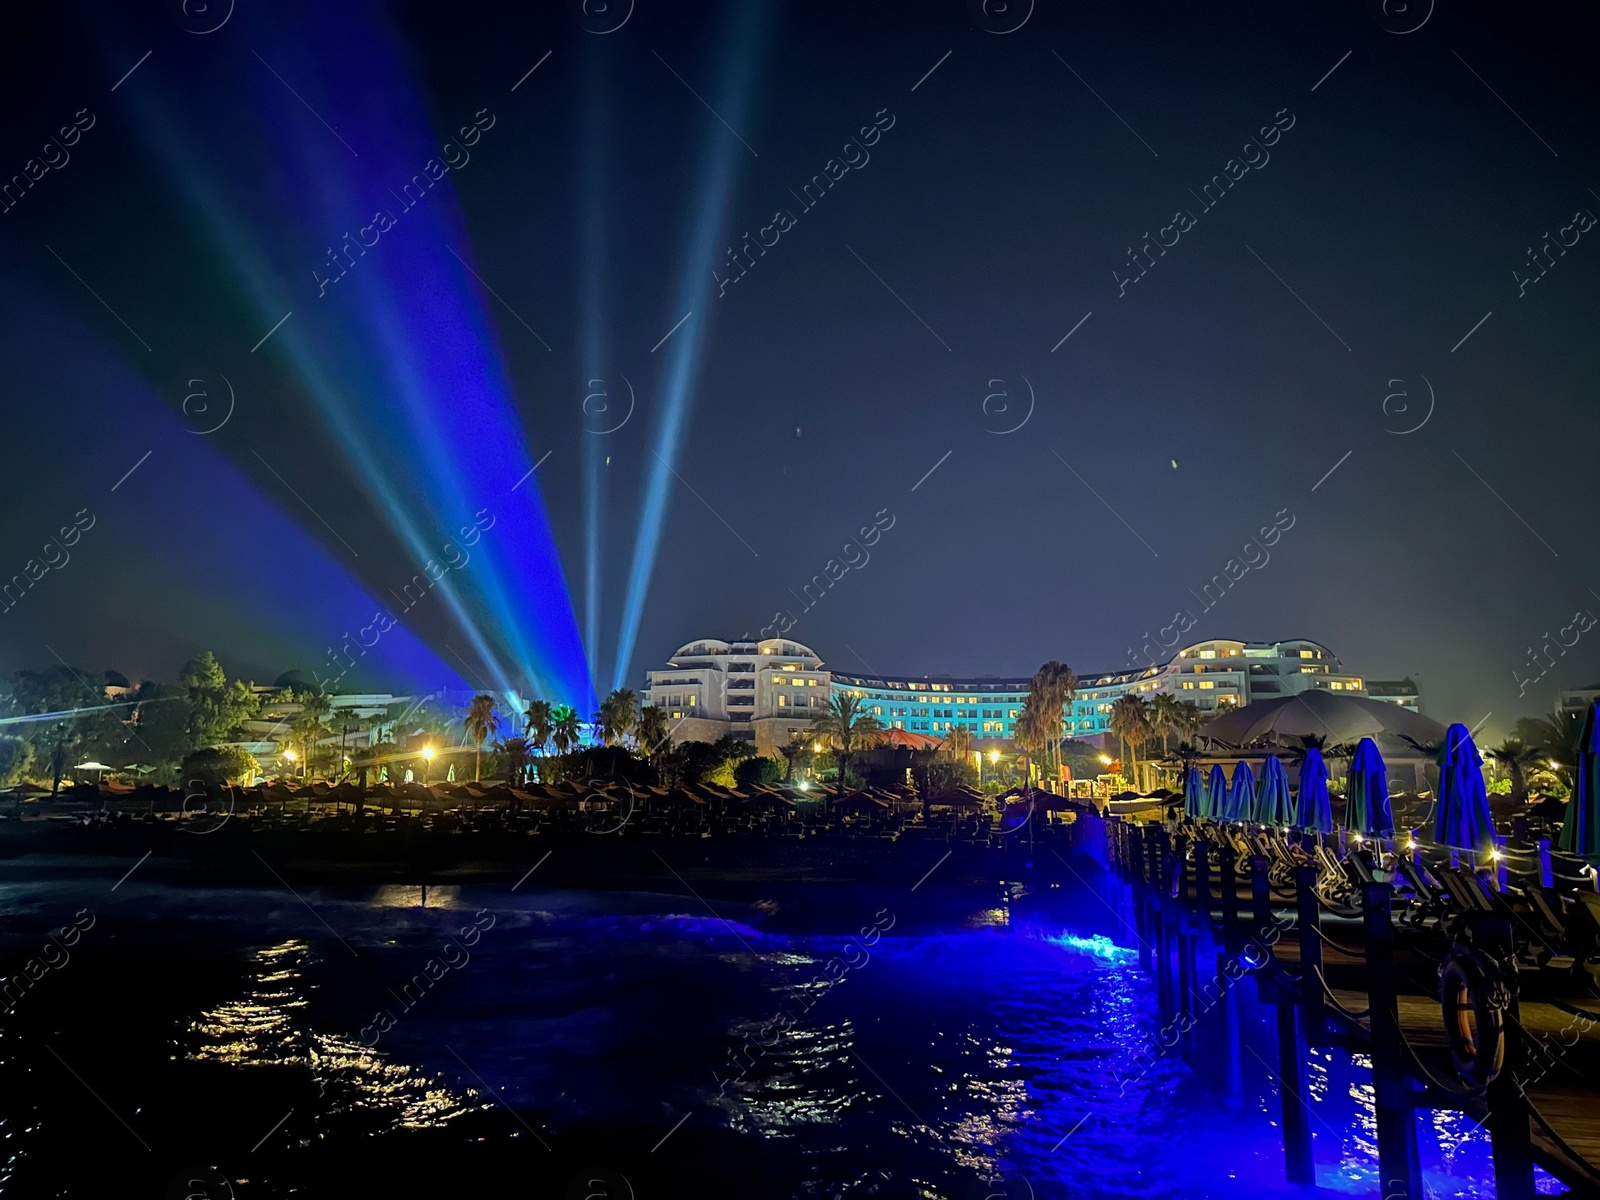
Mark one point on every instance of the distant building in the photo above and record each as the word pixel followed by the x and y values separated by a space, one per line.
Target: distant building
pixel 987 707
pixel 1403 692
pixel 348 721
pixel 764 691
pixel 761 692
pixel 1575 701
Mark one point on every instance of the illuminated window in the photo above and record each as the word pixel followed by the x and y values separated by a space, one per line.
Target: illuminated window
pixel 692 700
pixel 1206 683
pixel 783 701
pixel 1188 683
pixel 1353 684
pixel 1208 654
pixel 1308 654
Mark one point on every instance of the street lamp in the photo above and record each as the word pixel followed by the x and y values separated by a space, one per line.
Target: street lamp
pixel 427 770
pixel 289 754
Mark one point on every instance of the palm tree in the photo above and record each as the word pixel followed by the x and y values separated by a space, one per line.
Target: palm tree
pixel 618 715
pixel 957 742
pixel 516 751
pixel 1189 718
pixel 1027 734
pixel 1514 756
pixel 481 723
pixel 310 723
pixel 372 725
pixel 537 723
pixel 1054 685
pixel 652 732
pixel 796 754
pixel 1554 738
pixel 537 727
pixel 1163 717
pixel 564 727
pixel 845 730
pixel 1131 725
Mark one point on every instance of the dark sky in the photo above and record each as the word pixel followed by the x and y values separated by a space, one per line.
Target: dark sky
pixel 856 354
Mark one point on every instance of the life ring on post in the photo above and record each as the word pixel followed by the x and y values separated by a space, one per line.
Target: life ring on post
pixel 1474 997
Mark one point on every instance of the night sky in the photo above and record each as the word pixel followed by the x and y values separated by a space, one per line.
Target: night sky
pixel 1326 314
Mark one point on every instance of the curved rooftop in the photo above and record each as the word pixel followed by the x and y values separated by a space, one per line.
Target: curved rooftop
pixel 771 647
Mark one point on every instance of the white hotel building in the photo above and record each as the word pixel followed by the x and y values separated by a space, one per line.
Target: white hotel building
pixel 765 691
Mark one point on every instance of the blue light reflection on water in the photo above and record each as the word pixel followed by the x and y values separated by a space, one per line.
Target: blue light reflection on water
pixel 932 1054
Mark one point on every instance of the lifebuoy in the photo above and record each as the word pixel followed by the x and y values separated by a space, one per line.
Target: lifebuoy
pixel 1474 997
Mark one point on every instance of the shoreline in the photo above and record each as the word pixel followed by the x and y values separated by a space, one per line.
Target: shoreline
pixel 617 861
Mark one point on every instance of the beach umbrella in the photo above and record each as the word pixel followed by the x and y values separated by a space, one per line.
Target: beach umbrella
pixel 1366 793
pixel 1463 819
pixel 1274 805
pixel 1216 793
pixel 1313 810
pixel 1241 802
pixel 1580 829
pixel 1194 795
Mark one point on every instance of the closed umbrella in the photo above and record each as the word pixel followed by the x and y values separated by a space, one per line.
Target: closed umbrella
pixel 1366 793
pixel 1463 820
pixel 1580 829
pixel 1216 793
pixel 1242 795
pixel 1274 805
pixel 1313 810
pixel 1194 795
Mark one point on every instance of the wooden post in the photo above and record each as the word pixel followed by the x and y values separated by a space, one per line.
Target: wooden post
pixel 1391 1083
pixel 1141 927
pixel 1163 946
pixel 1163 878
pixel 1202 882
pixel 1298 1166
pixel 1261 909
pixel 1186 990
pixel 1228 896
pixel 1313 1000
pixel 1507 1118
pixel 1260 897
pixel 1180 867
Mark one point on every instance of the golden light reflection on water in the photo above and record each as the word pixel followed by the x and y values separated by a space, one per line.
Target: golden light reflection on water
pixel 269 1025
pixel 406 895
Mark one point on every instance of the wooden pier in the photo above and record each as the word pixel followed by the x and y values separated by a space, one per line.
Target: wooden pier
pixel 1460 1032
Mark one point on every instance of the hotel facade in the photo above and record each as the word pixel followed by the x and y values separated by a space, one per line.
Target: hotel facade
pixel 766 691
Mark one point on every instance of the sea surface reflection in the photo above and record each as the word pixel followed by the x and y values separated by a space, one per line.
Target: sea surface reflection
pixel 865 1046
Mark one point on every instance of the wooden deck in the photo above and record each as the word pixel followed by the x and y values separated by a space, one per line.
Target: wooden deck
pixel 1552 1069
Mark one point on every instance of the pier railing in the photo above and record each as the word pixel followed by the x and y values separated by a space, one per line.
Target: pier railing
pixel 1470 985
